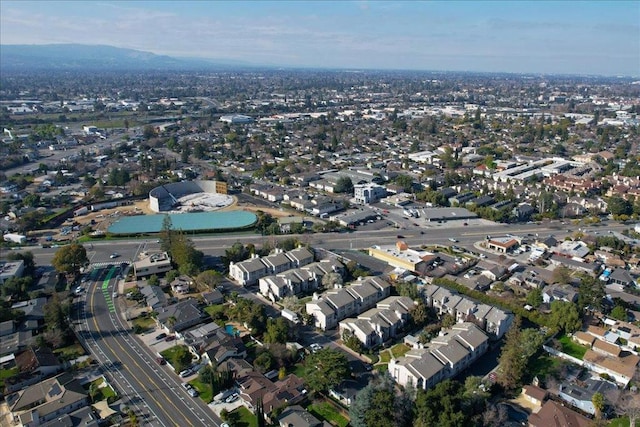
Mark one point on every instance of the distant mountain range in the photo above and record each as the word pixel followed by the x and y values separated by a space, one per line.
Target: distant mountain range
pixel 96 57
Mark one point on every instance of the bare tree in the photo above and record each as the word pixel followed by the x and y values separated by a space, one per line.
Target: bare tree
pixel 629 404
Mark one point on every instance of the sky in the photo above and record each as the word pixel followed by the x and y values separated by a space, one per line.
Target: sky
pixel 566 37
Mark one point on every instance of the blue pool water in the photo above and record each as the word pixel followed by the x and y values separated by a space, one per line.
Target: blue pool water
pixel 231 330
pixel 198 221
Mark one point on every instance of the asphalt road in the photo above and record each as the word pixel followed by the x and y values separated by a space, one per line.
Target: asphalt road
pixel 151 390
pixel 427 234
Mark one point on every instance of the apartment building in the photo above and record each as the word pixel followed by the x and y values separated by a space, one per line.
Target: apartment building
pixel 338 304
pixel 378 325
pixel 494 321
pixel 248 272
pixel 444 357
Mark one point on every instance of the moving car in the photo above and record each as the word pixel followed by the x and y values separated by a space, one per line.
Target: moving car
pixel 114 255
pixel 453 240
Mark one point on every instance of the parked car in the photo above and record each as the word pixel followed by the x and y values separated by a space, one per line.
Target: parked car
pixel 161 361
pixel 161 336
pixel 193 392
pixel 170 338
pixel 315 347
pixel 186 386
pixel 232 398
pixel 185 373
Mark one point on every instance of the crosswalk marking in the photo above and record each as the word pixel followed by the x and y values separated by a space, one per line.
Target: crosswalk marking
pixel 107 264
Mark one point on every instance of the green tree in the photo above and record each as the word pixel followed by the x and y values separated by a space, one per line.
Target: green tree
pixel 277 331
pixel 441 406
pixel 344 185
pixel 520 345
pixel 378 404
pixel 406 182
pixel 534 298
pixel 325 369
pixel 148 132
pixel 565 316
pixel 70 259
pixel 619 313
pixel 26 258
pixel 264 361
pixel 352 342
pixel 209 279
pixel 619 206
pixel 598 403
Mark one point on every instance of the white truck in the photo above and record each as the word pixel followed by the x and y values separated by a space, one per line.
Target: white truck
pixel 15 238
pixel 290 315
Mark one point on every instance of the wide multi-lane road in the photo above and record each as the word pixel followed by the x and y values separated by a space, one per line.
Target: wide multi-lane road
pixel 152 391
pixel 128 250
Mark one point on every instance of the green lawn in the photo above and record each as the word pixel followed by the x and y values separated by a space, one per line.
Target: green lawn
pixel 105 392
pixel 144 323
pixel 172 355
pixel 242 417
pixel 572 348
pixel 7 373
pixel 399 350
pixel 70 352
pixel 621 422
pixel 216 310
pixel 385 356
pixel 326 411
pixel 204 389
pixel 382 367
pixel 543 366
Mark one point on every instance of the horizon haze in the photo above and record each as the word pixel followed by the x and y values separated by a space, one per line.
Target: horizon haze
pixel 584 38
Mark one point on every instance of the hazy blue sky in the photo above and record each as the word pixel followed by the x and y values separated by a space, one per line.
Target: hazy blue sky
pixel 589 37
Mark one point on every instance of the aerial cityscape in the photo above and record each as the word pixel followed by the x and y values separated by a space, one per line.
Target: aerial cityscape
pixel 358 213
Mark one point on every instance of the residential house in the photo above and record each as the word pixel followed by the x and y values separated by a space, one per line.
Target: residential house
pixel 347 390
pixel 213 297
pixel 47 400
pixel 621 279
pixel 154 296
pixel 297 416
pixel 226 347
pixel 180 316
pixel 534 395
pixel 581 396
pixel 181 284
pixel 621 368
pixel 555 414
pixel 559 292
pixel 34 364
pixel 253 386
